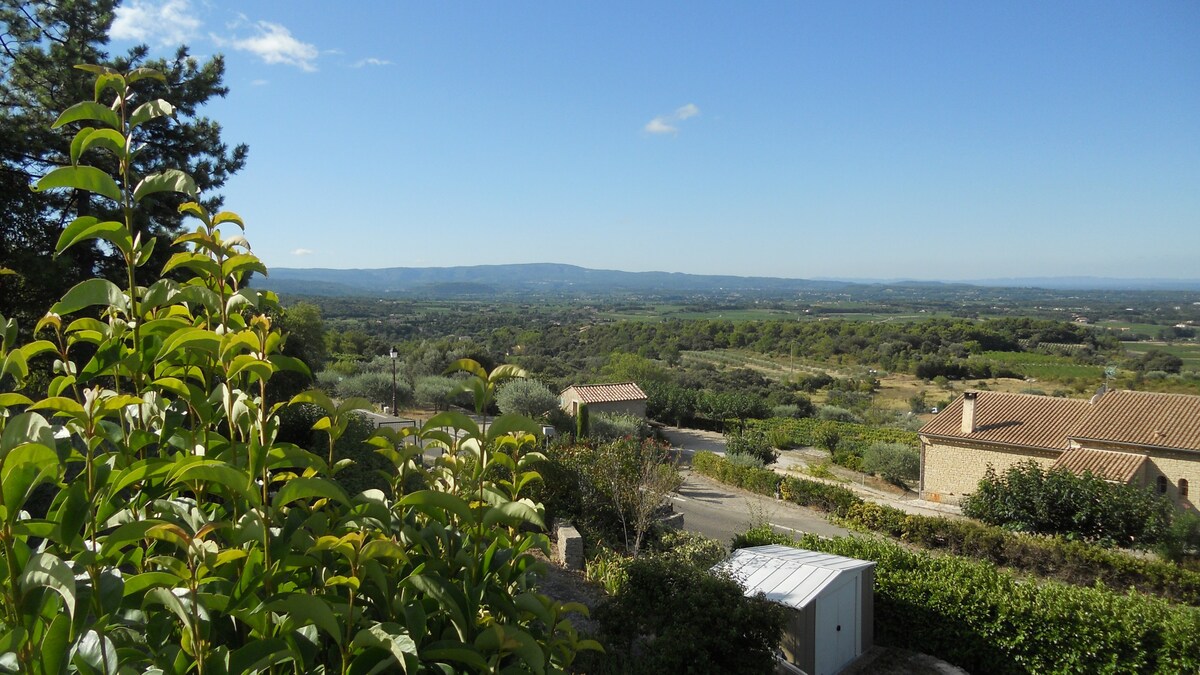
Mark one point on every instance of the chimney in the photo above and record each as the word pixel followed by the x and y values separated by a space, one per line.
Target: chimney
pixel 968 420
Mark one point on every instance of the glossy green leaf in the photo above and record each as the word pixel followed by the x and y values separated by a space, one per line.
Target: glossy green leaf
pixel 106 139
pixel 129 533
pixel 513 514
pixel 87 227
pixel 149 469
pixel 191 339
pixel 90 293
pixel 140 583
pixel 77 142
pixel 443 501
pixel 315 397
pixel 11 398
pixel 382 548
pixel 46 570
pixel 112 81
pixel 150 110
pixel 168 180
pixel 455 652
pixel 232 479
pixel 142 73
pixel 56 646
pixel 310 609
pixel 229 217
pixel 258 655
pixel 197 262
pixel 37 348
pixel 454 420
pixel 510 424
pixel 25 468
pixel 28 427
pixel 87 178
pixel 308 488
pixel 242 263
pixel 97 652
pixel 89 110
pixel 389 636
pixel 469 366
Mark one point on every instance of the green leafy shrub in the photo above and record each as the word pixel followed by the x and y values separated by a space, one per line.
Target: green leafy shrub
pixel 762 481
pixel 434 391
pixel 612 490
pixel 1182 538
pixel 375 387
pixel 848 454
pixel 986 620
pixel 833 499
pixel 1031 499
pixel 745 461
pixel 835 413
pixel 894 462
pixel 607 568
pixel 688 548
pixel 677 618
pixel 182 535
pixel 752 443
pixel 827 436
pixel 528 397
pixel 613 426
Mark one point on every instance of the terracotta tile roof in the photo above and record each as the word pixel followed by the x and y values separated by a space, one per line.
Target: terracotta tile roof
pixel 608 393
pixel 1012 419
pixel 1120 467
pixel 1143 418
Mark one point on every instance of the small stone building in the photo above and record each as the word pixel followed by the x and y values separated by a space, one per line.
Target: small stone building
pixel 1129 437
pixel 621 397
pixel 831 600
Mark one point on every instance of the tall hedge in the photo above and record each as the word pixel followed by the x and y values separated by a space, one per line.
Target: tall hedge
pixel 988 620
pixel 1073 562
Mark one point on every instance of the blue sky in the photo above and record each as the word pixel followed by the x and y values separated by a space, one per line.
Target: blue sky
pixel 931 140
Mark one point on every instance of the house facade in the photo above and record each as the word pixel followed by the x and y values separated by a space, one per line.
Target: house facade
pixel 1130 437
pixel 621 397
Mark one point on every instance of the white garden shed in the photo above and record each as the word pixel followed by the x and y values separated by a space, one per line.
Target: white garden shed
pixel 831 598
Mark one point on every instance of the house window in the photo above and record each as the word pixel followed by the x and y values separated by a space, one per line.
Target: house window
pixel 1183 495
pixel 1162 485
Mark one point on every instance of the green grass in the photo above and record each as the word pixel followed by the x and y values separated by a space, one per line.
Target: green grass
pixel 1042 366
pixel 1190 353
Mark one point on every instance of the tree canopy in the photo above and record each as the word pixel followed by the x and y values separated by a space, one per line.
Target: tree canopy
pixel 41 42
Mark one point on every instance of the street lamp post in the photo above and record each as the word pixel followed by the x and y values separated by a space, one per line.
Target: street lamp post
pixel 394 354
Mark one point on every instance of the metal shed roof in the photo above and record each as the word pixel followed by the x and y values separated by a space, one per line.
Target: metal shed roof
pixel 789 576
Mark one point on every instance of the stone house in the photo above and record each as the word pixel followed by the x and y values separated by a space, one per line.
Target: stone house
pixel 621 397
pixel 1130 437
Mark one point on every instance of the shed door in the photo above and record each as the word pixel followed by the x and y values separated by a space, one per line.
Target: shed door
pixel 837 626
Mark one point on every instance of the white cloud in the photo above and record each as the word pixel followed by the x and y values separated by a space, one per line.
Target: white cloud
pixel 275 44
pixel 372 61
pixel 669 124
pixel 167 22
pixel 659 125
pixel 302 251
pixel 259 83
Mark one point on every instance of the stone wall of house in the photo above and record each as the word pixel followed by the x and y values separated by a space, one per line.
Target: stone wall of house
pixel 950 471
pixel 1174 465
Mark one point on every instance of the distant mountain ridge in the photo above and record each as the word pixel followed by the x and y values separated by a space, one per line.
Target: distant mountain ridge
pixel 538 278
pixel 561 279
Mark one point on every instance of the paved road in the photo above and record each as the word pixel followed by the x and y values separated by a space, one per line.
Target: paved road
pixel 721 511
